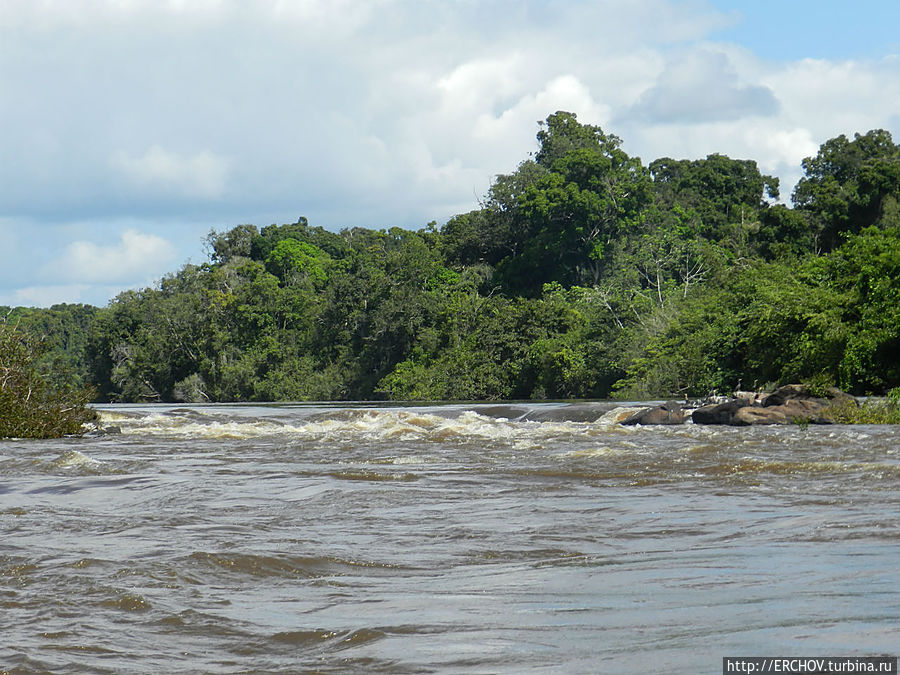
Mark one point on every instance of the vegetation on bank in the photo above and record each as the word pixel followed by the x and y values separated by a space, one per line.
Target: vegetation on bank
pixel 583 273
pixel 881 410
pixel 35 402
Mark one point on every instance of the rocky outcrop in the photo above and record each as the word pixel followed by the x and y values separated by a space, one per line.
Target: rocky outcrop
pixel 790 404
pixel 787 393
pixel 718 413
pixel 667 413
pixel 792 411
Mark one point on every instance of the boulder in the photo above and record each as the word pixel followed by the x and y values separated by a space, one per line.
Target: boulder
pixel 718 413
pixel 752 397
pixel 794 392
pixel 837 397
pixel 793 411
pixel 800 404
pixel 750 415
pixel 787 393
pixel 790 404
pixel 809 411
pixel 668 413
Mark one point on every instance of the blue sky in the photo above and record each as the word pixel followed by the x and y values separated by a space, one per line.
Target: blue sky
pixel 130 128
pixel 789 30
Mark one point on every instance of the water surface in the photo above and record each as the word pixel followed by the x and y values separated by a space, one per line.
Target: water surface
pixel 469 539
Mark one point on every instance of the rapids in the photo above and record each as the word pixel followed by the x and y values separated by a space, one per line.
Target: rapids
pixel 485 538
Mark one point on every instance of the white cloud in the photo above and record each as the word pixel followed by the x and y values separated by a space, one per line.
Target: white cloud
pixel 202 175
pixel 702 86
pixel 137 257
pixel 831 98
pixel 518 121
pixel 45 296
pixel 130 114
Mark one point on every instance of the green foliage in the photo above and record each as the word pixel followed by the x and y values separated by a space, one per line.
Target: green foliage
pixel 871 411
pixel 848 183
pixel 718 190
pixel 296 262
pixel 783 233
pixel 685 348
pixel 237 242
pixel 866 273
pixel 583 273
pixel 562 134
pixel 34 404
pixel 819 385
pixel 570 216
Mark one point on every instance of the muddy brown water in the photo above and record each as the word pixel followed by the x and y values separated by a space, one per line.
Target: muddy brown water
pixel 502 538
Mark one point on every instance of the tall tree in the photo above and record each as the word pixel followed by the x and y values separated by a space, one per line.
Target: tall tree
pixel 593 193
pixel 719 191
pixel 846 184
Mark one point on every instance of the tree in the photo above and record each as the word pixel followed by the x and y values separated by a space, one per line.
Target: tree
pixel 865 271
pixel 31 404
pixel 298 262
pixel 562 133
pixel 496 230
pixel 725 196
pixel 846 185
pixel 593 193
pixel 237 242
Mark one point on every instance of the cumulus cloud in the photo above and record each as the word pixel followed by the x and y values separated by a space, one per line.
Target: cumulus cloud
pixel 835 97
pixel 136 257
pixel 368 112
pixel 701 87
pixel 201 175
pixel 377 112
pixel 45 296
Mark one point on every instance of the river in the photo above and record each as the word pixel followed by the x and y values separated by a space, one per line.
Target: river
pixel 504 538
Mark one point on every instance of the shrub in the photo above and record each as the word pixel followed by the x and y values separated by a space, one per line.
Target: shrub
pixel 32 405
pixel 871 411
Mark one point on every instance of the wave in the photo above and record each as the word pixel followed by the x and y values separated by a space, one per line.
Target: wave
pixel 582 441
pixel 504 423
pixel 285 566
pixel 78 462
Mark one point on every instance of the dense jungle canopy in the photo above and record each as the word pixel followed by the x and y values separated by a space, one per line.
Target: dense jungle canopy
pixel 583 273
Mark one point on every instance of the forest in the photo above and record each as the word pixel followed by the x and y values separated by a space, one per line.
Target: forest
pixel 584 273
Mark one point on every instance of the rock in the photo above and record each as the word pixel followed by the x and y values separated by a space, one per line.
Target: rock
pixel 810 411
pixel 837 397
pixel 750 415
pixel 668 413
pixel 790 404
pixel 792 392
pixel 787 393
pixel 719 413
pixel 752 397
pixel 794 411
pixel 636 417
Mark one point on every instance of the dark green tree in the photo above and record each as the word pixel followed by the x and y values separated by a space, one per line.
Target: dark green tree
pixel 593 193
pixel 846 185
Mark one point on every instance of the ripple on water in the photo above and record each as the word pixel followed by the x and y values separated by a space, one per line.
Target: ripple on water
pixel 509 538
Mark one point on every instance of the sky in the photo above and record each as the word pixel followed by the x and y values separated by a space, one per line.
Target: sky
pixel 131 128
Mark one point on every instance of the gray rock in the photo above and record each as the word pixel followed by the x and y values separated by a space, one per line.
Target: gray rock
pixel 668 413
pixel 793 411
pixel 787 393
pixel 751 415
pixel 719 413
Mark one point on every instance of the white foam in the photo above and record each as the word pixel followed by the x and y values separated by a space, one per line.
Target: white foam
pixel 366 424
pixel 73 459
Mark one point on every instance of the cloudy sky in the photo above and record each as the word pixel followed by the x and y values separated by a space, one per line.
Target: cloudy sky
pixel 130 128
